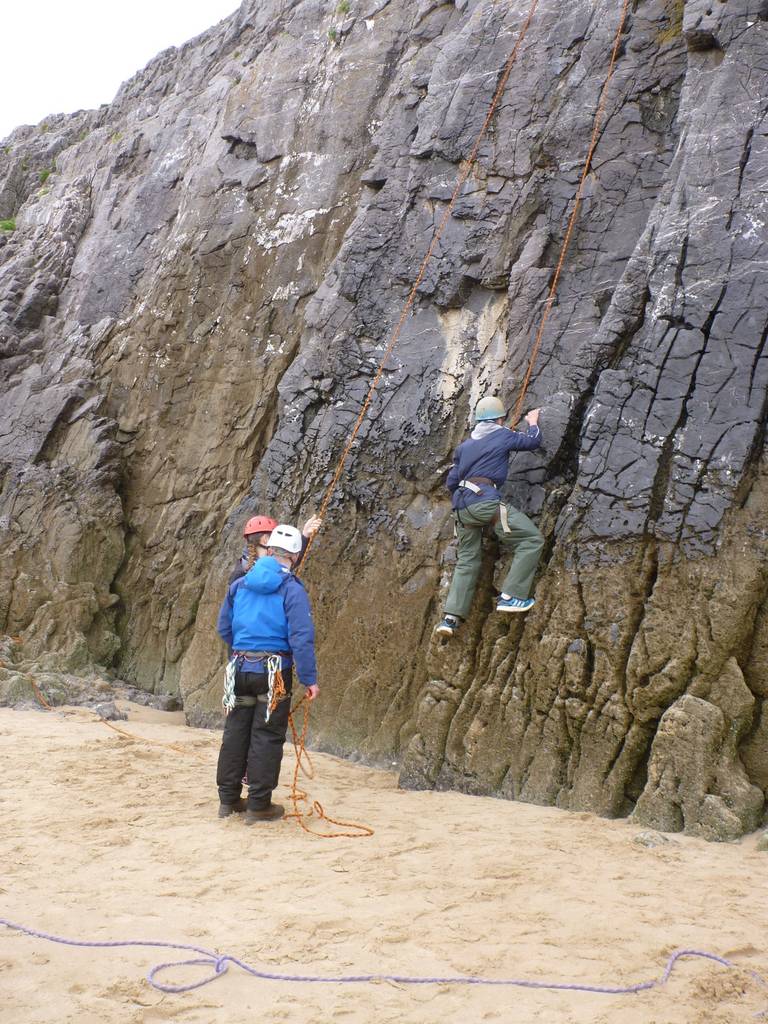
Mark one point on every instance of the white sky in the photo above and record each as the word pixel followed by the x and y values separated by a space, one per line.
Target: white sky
pixel 58 56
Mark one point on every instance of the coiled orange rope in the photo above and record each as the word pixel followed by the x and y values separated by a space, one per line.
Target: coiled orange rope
pixel 299 798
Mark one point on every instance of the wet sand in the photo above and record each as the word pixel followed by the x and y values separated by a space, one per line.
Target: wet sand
pixel 105 837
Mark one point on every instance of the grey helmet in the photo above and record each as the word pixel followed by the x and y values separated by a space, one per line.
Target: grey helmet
pixel 489 409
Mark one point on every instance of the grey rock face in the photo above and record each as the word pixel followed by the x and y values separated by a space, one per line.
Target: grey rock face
pixel 194 302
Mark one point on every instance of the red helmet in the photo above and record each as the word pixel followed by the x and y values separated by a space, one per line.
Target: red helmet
pixel 259 524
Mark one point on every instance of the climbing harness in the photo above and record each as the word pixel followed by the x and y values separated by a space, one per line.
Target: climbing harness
pixel 219 964
pixel 502 513
pixel 275 683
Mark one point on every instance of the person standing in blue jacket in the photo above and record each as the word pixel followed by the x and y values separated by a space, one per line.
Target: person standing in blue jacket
pixel 480 466
pixel 266 620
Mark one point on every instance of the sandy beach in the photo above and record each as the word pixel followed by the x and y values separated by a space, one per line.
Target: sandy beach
pixel 106 837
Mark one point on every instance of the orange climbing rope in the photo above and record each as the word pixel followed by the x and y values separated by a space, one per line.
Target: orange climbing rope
pixel 176 747
pixel 463 175
pixel 596 126
pixel 47 706
pixel 38 694
pixel 298 796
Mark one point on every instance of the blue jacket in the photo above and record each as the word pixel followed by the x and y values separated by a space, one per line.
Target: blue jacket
pixel 487 457
pixel 268 610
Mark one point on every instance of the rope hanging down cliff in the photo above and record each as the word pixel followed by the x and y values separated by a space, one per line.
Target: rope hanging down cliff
pixel 296 795
pixel 466 169
pixel 299 797
pixel 596 126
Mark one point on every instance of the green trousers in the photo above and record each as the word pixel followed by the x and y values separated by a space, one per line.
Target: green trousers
pixel 524 539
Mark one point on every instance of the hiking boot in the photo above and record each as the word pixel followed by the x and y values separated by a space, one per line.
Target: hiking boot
pixel 237 808
pixel 447 626
pixel 271 813
pixel 515 604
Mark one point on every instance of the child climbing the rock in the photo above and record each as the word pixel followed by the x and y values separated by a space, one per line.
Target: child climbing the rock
pixel 267 622
pixel 479 470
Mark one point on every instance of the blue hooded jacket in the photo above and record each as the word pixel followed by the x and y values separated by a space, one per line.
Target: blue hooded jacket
pixel 268 610
pixel 487 457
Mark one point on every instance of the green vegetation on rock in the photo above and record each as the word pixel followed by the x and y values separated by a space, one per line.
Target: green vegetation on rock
pixel 675 11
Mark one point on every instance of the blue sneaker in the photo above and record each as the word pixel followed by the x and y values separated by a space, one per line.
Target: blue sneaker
pixel 515 604
pixel 447 626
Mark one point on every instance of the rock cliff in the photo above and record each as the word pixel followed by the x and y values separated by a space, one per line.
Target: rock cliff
pixel 201 280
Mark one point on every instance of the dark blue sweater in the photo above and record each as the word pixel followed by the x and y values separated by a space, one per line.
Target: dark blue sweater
pixel 487 457
pixel 268 610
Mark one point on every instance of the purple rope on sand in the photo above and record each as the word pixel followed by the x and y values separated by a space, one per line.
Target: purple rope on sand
pixel 220 964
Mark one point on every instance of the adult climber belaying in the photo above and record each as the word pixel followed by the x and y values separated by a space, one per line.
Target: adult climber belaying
pixel 256 532
pixel 479 470
pixel 267 622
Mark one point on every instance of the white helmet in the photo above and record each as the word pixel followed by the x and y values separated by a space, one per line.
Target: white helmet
pixel 287 538
pixel 489 408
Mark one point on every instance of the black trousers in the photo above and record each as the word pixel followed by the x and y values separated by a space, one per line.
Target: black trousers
pixel 251 743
